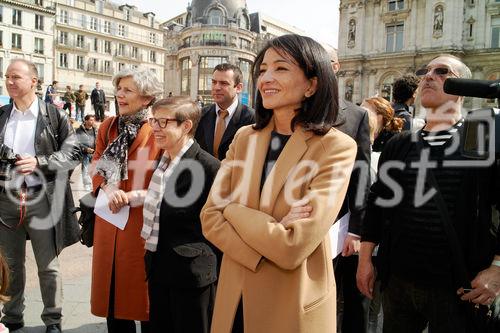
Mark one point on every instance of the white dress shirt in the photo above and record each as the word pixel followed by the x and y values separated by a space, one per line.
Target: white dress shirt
pixel 20 135
pixel 231 109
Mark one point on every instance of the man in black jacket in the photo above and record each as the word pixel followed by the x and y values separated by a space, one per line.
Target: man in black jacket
pixel 420 268
pixel 353 121
pixel 36 199
pixel 98 100
pixel 220 121
pixel 404 92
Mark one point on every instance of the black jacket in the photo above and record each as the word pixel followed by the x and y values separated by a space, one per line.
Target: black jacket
pixel 98 97
pixel 184 258
pixel 242 116
pixel 57 152
pixel 86 138
pixel 353 121
pixel 476 226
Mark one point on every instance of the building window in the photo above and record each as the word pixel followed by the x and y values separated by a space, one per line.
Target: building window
pixel 151 21
pixel 348 90
pixel 40 68
pixel 396 5
pixel 246 70
pixel 92 65
pixel 121 30
pixel 80 41
pixel 215 17
pixel 63 37
pixel 244 24
pixel 186 76
pixel 495 32
pixel 63 60
pixel 70 3
pixel 121 66
pixel 135 52
pixel 1 40
pixel 214 39
pixel 471 30
pixel 1 16
pixel 394 41
pixel 39 2
pixel 63 16
pixel 386 88
pixel 107 47
pixel 80 63
pixel 152 37
pixel 17 17
pixel 121 50
pixel 245 44
pixel 107 66
pixel 38 45
pixel 107 27
pixel 16 41
pixel 206 68
pixel 152 56
pixel 126 15
pixel 96 45
pixel 93 23
pixel 99 4
pixel 38 22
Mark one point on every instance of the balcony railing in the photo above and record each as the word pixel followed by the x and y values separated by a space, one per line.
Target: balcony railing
pixel 99 70
pixel 72 45
pixel 128 55
pixel 215 42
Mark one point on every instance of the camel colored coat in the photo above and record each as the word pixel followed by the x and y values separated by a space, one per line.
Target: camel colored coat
pixel 124 249
pixel 283 275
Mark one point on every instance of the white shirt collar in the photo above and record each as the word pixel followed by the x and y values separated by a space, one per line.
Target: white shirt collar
pixel 231 109
pixel 33 109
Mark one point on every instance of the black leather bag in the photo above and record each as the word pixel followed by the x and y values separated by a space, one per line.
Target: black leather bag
pixel 87 219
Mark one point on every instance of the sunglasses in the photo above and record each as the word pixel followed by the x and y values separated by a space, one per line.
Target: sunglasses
pixel 161 122
pixel 439 71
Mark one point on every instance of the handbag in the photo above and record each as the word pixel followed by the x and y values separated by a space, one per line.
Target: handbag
pixel 86 209
pixel 480 318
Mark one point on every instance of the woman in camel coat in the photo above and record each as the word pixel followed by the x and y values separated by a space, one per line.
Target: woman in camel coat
pixel 124 162
pixel 276 195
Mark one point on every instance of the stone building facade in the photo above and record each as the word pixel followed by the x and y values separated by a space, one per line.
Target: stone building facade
pixel 380 40
pixel 209 33
pixel 26 31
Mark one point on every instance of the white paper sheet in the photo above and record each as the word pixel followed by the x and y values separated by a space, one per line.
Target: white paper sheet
pixel 101 209
pixel 338 233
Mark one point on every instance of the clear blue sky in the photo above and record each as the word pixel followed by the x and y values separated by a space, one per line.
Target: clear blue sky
pixel 318 18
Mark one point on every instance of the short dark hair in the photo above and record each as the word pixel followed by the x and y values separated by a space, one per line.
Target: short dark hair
pixel 319 111
pixel 237 74
pixel 184 107
pixel 404 88
pixel 88 116
pixel 55 82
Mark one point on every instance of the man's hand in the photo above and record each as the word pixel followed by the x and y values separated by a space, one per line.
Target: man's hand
pixel 116 197
pixel 299 210
pixel 89 150
pixel 351 245
pixel 485 287
pixel 365 276
pixel 26 165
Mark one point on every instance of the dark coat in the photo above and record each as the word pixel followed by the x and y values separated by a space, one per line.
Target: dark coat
pixel 86 138
pixel 98 97
pixel 184 258
pixel 353 121
pixel 242 116
pixel 57 152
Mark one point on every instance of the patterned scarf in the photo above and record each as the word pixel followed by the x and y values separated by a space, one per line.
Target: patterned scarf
pixel 113 164
pixel 152 203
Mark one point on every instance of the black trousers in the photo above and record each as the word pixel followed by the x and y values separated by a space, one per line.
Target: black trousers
pixel 99 112
pixel 180 310
pixel 350 310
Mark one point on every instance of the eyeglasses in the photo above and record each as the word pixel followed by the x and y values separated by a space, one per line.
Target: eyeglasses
pixel 161 122
pixel 439 71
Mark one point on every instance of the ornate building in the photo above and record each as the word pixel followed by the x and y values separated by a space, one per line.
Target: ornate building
pixel 380 40
pixel 211 32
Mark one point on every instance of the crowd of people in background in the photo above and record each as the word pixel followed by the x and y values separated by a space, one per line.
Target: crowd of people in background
pixel 230 208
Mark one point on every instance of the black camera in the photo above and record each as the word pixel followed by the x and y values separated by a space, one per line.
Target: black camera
pixel 7 162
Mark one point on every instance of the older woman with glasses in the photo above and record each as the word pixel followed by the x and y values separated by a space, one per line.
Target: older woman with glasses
pixel 123 165
pixel 182 264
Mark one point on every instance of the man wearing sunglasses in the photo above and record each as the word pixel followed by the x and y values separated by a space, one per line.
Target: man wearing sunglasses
pixel 421 282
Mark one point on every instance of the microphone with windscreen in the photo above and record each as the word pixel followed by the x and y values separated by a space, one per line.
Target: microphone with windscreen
pixel 472 88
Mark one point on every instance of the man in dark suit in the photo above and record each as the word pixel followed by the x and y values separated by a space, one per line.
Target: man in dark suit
pixel 220 121
pixel 353 121
pixel 98 100
pixel 37 200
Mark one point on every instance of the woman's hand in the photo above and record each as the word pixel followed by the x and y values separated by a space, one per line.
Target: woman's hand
pixel 299 210
pixel 116 197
